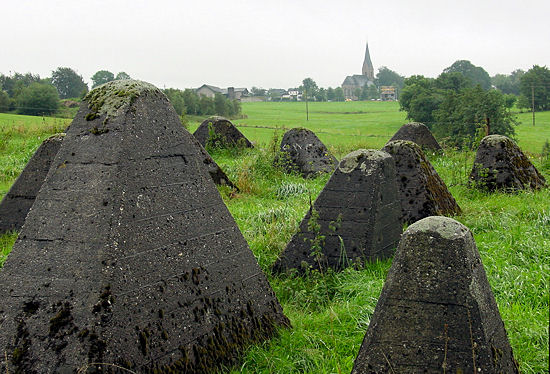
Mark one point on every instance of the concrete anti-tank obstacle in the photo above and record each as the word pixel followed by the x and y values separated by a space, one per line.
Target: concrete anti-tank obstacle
pixel 501 165
pixel 218 175
pixel 354 219
pixel 422 192
pixel 18 201
pixel 220 132
pixel 436 312
pixel 129 256
pixel 303 152
pixel 418 133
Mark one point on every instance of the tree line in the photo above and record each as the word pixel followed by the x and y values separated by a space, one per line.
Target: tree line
pixel 32 95
pixel 464 103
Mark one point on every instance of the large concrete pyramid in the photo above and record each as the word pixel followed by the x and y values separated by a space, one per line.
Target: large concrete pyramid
pixel 418 133
pixel 355 218
pixel 303 152
pixel 18 201
pixel 220 132
pixel 436 312
pixel 129 256
pixel 501 165
pixel 218 175
pixel 421 190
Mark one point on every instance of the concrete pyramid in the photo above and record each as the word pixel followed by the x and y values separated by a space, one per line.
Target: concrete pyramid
pixel 500 164
pixel 303 152
pixel 218 175
pixel 417 133
pixel 220 132
pixel 129 256
pixel 18 201
pixel 422 191
pixel 436 312
pixel 355 218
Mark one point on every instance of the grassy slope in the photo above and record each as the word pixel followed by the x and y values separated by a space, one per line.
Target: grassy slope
pixel 330 312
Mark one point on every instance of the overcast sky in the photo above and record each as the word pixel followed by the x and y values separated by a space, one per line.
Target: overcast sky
pixel 269 44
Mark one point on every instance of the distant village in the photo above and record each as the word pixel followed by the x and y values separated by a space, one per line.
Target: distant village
pixel 354 87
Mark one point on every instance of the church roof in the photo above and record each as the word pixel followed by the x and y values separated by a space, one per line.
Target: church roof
pixel 356 80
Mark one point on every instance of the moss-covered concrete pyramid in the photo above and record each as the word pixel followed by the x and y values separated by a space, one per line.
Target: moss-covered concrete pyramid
pixel 436 312
pixel 421 190
pixel 501 165
pixel 354 219
pixel 129 256
pixel 418 133
pixel 219 132
pixel 303 152
pixel 18 201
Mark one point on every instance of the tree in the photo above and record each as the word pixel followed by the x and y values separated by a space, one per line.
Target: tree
pixel 461 114
pixel 101 77
pixel 508 84
pixel 536 83
pixel 122 75
pixel 339 94
pixel 68 83
pixel 258 91
pixel 419 98
pixel 4 101
pixel 15 83
pixel 310 87
pixel 387 77
pixel 191 101
pixel 452 81
pixel 219 104
pixel 476 74
pixel 330 94
pixel 206 106
pixel 321 95
pixel 38 99
pixel 176 98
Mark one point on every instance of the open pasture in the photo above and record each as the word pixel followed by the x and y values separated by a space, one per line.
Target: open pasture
pixel 330 312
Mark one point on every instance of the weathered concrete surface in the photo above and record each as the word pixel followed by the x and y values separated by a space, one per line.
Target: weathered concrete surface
pixel 18 201
pixel 218 175
pixel 303 152
pixel 354 219
pixel 436 312
pixel 421 190
pixel 129 256
pixel 417 133
pixel 220 132
pixel 500 164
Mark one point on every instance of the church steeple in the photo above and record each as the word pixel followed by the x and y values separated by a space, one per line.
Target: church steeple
pixel 368 69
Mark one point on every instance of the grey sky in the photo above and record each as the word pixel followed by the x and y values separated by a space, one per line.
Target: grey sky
pixel 269 43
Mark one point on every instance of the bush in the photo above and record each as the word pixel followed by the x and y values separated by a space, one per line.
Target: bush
pixel 38 99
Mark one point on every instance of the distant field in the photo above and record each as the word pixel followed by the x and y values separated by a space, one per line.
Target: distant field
pixel 357 124
pixel 364 124
pixel 532 138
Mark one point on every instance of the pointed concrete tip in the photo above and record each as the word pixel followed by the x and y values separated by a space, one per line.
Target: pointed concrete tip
pixel 446 227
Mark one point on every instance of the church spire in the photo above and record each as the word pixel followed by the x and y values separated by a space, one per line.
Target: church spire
pixel 368 69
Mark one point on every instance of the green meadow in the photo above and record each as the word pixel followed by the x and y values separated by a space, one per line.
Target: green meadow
pixel 330 312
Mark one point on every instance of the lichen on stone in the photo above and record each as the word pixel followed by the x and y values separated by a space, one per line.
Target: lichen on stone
pixel 352 160
pixel 446 227
pixel 112 97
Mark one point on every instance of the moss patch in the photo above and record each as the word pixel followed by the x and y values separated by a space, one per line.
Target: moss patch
pixel 112 97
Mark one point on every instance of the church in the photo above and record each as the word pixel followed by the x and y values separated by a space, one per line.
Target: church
pixel 352 82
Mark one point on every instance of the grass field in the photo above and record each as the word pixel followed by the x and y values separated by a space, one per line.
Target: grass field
pixel 330 312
